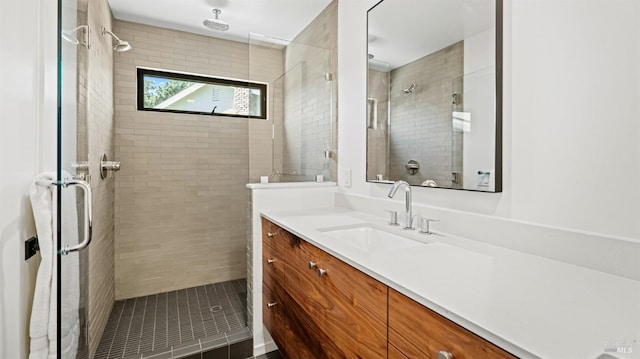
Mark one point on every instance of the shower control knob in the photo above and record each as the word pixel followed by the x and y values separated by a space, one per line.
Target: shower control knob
pixel 107 166
pixel 112 165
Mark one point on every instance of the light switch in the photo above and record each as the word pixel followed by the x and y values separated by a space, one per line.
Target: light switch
pixel 346 174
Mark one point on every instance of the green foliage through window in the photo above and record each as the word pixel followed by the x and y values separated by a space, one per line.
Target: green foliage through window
pixel 155 93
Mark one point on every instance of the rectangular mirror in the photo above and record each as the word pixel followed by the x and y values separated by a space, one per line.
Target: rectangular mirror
pixel 434 93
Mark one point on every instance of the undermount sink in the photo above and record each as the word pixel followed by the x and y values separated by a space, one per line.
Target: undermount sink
pixel 368 238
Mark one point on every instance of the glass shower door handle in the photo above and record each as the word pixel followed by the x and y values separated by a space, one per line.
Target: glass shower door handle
pixel 88 216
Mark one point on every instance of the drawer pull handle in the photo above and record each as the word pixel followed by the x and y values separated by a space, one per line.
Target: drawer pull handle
pixel 270 261
pixel 322 272
pixel 273 304
pixel 312 264
pixel 445 355
pixel 270 234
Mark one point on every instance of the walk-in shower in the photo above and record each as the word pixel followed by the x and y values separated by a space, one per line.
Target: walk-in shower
pixel 166 271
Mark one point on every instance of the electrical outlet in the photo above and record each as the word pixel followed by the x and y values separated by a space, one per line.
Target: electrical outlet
pixel 31 247
pixel 347 178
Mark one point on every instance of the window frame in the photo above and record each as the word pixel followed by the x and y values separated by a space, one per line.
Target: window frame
pixel 142 72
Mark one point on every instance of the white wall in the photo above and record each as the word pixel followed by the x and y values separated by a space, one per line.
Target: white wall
pixel 571 130
pixel 27 146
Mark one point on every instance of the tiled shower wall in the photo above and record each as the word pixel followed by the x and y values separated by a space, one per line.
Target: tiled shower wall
pixel 425 114
pixel 378 133
pixel 99 139
pixel 180 205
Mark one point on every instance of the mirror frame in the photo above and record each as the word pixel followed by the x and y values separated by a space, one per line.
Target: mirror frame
pixel 498 105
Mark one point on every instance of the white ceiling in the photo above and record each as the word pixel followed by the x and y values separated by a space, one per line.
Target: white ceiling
pixel 401 31
pixel 277 18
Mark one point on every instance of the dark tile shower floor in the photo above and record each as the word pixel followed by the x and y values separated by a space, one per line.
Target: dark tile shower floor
pixel 159 321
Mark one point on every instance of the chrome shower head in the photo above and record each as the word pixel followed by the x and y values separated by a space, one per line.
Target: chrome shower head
pixel 409 90
pixel 71 36
pixel 119 45
pixel 216 24
pixel 122 46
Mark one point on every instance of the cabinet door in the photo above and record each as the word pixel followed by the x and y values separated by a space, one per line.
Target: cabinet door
pixel 355 310
pixel 304 338
pixel 419 332
pixel 394 353
pixel 301 282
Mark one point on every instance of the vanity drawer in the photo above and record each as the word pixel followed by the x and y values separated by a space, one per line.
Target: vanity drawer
pixel 273 313
pixel 272 266
pixel 275 236
pixel 419 332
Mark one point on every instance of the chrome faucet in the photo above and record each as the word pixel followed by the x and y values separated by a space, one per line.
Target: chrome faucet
pixel 408 224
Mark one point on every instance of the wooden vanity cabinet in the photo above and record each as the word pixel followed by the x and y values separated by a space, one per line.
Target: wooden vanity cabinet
pixel 331 310
pixel 316 306
pixel 418 332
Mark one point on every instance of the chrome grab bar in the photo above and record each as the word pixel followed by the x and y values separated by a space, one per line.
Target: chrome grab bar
pixel 88 216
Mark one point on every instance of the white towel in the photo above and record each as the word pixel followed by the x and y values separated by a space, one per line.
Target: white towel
pixel 43 316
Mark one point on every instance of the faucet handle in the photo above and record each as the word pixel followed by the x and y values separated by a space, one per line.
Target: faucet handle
pixel 424 225
pixel 412 221
pixel 393 217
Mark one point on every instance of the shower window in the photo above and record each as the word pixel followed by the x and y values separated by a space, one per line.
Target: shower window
pixel 185 93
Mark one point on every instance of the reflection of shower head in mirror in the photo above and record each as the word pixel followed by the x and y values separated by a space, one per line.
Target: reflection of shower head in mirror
pixel 409 90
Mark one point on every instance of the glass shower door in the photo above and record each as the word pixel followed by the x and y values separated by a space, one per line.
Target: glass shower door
pixel 302 108
pixel 73 192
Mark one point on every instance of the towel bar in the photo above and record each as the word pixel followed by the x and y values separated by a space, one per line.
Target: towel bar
pixel 88 214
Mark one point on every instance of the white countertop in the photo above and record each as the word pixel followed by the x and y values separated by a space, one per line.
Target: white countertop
pixel 528 305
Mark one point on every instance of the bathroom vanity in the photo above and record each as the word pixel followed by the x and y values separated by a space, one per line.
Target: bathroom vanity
pixel 331 291
pixel 315 306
